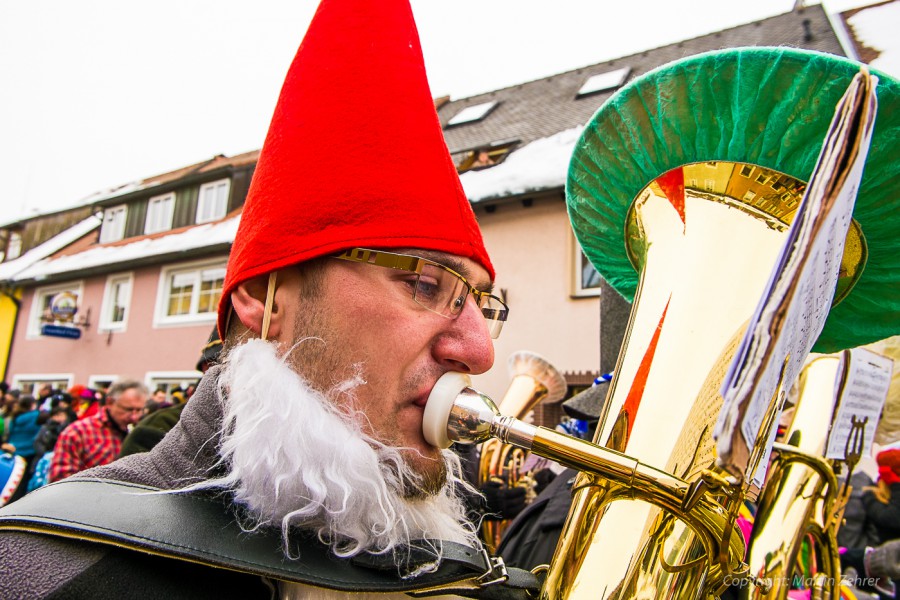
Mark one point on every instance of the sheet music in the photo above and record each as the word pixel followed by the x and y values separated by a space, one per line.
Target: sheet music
pixel 862 396
pixel 792 311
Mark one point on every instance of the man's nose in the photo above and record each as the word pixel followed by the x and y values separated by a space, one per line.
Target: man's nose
pixel 466 346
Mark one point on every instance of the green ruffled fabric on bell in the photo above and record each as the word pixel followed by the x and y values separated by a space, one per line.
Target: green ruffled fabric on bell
pixel 765 106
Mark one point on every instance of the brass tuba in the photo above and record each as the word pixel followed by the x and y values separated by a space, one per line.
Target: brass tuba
pixel 701 167
pixel 533 380
pixel 801 505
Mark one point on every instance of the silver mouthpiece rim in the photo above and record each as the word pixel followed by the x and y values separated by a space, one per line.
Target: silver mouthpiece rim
pixel 440 403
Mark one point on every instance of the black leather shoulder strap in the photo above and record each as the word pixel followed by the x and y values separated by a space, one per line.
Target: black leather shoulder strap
pixel 203 529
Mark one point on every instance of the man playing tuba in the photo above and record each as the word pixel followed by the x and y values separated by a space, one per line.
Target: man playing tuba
pixel 355 281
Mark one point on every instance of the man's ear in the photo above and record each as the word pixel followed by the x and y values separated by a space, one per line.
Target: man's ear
pixel 249 302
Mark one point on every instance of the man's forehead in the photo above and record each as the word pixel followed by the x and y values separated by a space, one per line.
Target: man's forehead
pixel 130 394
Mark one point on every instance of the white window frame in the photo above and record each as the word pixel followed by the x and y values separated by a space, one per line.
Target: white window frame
pixel 576 256
pixel 13 245
pixel 34 317
pixel 39 378
pixel 113 229
pixel 160 212
pixel 182 379
pixel 219 208
pixel 160 318
pixel 95 380
pixel 105 323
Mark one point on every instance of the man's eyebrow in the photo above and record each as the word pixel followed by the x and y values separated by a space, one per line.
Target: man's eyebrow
pixel 457 265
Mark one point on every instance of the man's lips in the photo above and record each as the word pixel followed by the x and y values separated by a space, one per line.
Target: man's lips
pixel 421 400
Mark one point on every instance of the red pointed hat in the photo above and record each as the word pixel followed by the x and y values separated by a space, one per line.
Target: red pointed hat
pixel 355 155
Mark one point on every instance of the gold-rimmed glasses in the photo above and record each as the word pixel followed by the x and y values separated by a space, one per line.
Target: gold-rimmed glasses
pixel 435 287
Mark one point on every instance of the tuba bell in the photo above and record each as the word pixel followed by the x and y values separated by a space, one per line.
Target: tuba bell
pixel 681 191
pixel 705 202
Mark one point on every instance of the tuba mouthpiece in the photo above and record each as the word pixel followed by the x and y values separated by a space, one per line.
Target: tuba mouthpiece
pixel 457 413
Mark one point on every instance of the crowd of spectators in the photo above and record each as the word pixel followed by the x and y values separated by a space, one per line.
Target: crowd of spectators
pixel 870 535
pixel 60 432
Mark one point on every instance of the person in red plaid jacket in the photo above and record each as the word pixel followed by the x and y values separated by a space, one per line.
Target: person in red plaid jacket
pixel 97 440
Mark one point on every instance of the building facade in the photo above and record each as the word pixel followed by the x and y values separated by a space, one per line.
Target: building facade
pixel 137 297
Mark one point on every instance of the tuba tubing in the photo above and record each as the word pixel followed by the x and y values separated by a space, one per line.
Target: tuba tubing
pixel 800 504
pixel 457 413
pixel 533 380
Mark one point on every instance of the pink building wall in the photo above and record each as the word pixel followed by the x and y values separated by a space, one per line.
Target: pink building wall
pixel 138 350
pixel 531 248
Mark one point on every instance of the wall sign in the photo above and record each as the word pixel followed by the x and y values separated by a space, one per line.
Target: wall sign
pixel 64 306
pixel 63 331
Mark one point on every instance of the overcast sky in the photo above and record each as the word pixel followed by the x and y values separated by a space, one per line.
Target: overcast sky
pixel 98 93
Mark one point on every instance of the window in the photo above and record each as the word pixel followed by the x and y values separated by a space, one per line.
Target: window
pixel 14 245
pixel 160 210
pixel 101 382
pixel 749 195
pixel 586 279
pixel 30 383
pixel 746 170
pixel 190 294
pixel 116 299
pixel 213 202
pixel 170 381
pixel 483 157
pixel 470 114
pixel 40 306
pixel 604 81
pixel 113 228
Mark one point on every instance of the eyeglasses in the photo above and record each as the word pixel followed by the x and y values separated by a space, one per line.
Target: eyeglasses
pixel 435 287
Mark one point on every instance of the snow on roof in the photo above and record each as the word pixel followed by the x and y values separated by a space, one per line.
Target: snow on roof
pixel 9 270
pixel 201 236
pixel 876 27
pixel 217 162
pixel 119 190
pixel 542 164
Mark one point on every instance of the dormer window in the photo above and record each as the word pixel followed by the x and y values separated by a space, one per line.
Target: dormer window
pixel 113 228
pixel 471 114
pixel 213 202
pixel 160 210
pixel 604 81
pixel 483 156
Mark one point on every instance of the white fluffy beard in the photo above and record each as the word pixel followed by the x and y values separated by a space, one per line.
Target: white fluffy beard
pixel 295 459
